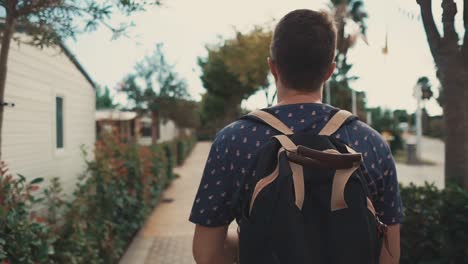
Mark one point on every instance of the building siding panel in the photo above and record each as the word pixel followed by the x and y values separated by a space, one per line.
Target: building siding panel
pixel 35 78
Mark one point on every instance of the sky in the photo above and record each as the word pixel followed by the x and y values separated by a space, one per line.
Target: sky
pixel 186 27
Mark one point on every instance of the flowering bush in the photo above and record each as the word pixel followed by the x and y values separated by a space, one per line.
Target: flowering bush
pixel 24 235
pixel 112 199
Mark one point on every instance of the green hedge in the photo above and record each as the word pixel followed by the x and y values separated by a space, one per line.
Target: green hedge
pixel 435 229
pixel 184 147
pixel 176 152
pixel 120 188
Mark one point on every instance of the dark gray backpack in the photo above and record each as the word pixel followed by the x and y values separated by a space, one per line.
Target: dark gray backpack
pixel 310 204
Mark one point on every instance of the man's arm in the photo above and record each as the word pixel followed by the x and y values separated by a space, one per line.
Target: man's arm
pixel 213 245
pixel 382 171
pixel 390 253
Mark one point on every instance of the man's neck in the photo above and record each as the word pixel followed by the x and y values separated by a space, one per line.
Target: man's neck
pixel 291 96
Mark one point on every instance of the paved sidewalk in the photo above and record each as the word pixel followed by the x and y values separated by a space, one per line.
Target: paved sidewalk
pixel 167 235
pixel 431 150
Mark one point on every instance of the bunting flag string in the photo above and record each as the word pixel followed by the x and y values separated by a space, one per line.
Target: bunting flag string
pixel 409 15
pixel 412 16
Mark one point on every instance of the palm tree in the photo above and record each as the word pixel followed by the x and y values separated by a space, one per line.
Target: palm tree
pixel 451 59
pixel 350 19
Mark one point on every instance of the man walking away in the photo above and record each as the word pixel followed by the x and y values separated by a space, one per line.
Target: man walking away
pixel 302 60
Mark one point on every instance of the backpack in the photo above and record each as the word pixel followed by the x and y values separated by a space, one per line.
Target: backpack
pixel 310 204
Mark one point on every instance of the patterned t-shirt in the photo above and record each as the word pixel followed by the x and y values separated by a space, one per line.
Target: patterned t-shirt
pixel 235 148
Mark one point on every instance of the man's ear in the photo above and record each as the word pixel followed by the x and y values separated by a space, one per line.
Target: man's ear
pixel 273 68
pixel 330 71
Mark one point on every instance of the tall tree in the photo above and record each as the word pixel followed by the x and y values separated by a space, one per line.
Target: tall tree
pixel 350 18
pixel 451 59
pixel 49 22
pixel 155 87
pixel 212 114
pixel 185 113
pixel 236 69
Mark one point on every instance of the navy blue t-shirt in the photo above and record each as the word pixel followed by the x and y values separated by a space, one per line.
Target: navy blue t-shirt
pixel 235 148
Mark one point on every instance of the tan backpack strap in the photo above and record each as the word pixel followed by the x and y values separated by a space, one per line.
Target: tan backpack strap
pixel 298 181
pixel 296 169
pixel 272 121
pixel 286 143
pixel 335 123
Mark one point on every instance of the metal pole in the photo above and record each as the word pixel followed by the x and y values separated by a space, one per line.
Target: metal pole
pixel 369 118
pixel 354 105
pixel 418 121
pixel 327 93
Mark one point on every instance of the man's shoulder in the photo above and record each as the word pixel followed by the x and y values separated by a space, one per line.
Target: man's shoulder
pixel 241 129
pixel 363 137
pixel 358 126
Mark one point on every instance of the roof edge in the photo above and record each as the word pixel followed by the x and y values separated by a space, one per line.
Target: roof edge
pixel 77 64
pixel 67 53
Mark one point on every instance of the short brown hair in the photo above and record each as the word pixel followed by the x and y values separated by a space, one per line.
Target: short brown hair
pixel 303 48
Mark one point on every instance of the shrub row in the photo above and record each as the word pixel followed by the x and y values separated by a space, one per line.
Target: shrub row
pixel 111 201
pixel 435 226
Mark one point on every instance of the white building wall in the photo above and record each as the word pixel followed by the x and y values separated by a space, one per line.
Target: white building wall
pixel 168 130
pixel 35 78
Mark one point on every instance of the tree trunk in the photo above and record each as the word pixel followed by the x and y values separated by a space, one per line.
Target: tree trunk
pixel 452 71
pixel 154 127
pixel 456 141
pixel 465 42
pixel 4 51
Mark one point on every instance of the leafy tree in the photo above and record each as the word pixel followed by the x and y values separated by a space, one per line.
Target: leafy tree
pixel 154 86
pixel 247 57
pixel 185 113
pixel 386 120
pixel 426 88
pixel 451 59
pixel 382 119
pixel 222 84
pixel 236 68
pixel 211 115
pixel 401 116
pixel 48 22
pixel 104 100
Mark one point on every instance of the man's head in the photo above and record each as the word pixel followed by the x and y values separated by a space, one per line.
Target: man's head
pixel 303 50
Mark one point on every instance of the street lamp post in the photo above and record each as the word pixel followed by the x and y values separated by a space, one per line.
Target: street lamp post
pixel 418 95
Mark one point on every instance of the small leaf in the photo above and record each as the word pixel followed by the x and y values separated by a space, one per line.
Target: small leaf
pixel 37 180
pixel 22 178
